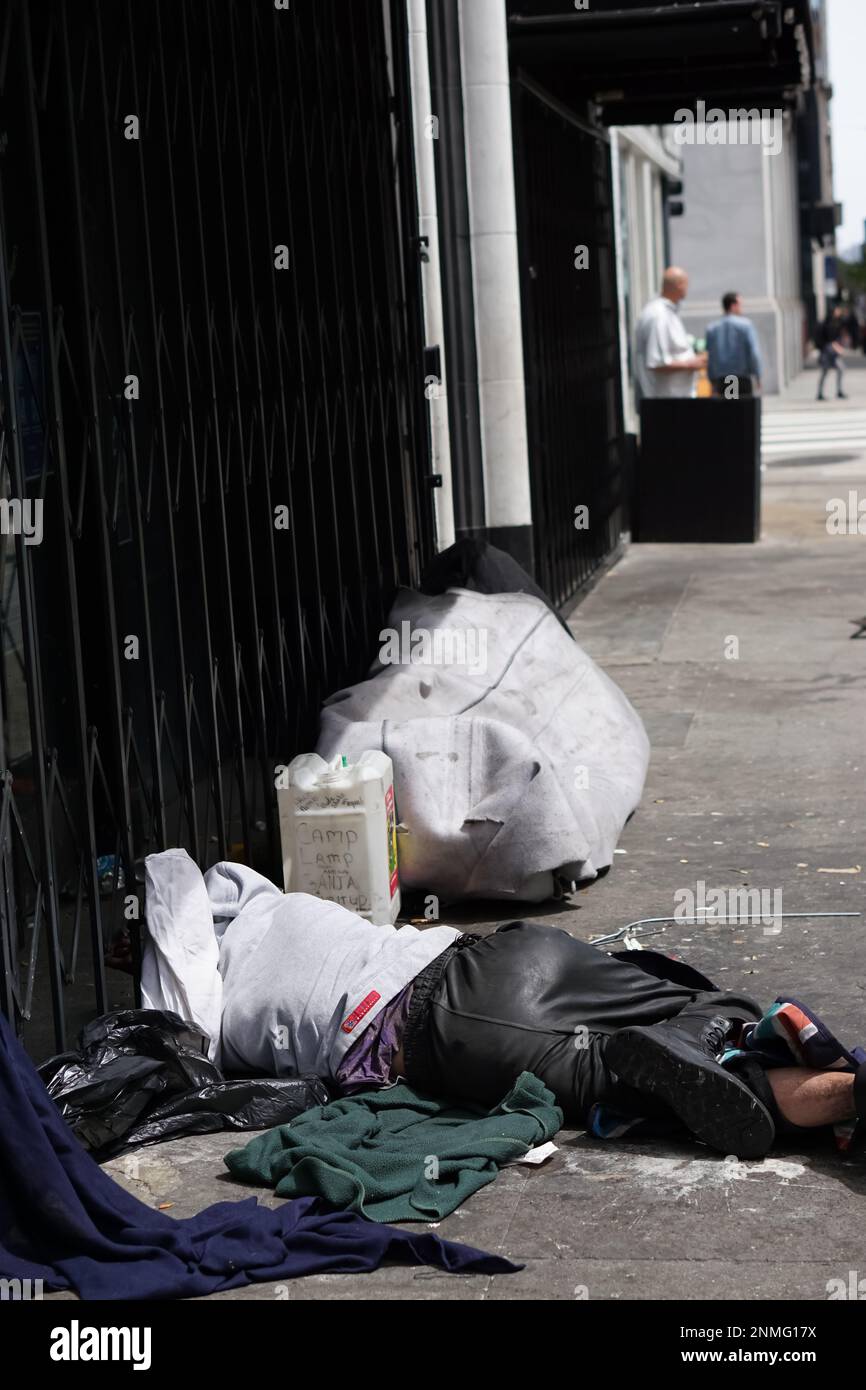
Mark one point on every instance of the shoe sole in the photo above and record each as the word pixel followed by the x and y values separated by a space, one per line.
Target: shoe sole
pixel 719 1110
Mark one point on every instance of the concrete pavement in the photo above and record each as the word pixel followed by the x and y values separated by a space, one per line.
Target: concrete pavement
pixel 757 778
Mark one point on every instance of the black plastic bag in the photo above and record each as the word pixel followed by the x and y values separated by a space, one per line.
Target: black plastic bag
pixel 140 1076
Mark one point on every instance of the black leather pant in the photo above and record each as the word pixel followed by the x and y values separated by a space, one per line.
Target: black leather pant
pixel 532 998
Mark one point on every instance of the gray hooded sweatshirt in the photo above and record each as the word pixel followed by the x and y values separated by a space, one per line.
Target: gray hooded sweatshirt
pixel 293 979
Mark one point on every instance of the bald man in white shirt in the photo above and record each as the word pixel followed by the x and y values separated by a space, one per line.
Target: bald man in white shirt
pixel 667 364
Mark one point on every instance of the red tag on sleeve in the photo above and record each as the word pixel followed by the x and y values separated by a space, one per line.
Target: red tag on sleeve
pixel 362 1010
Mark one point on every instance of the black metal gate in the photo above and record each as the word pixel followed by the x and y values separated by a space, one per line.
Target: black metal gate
pixel 571 340
pixel 212 387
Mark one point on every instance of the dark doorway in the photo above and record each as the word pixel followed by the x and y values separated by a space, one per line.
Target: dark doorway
pixel 571 342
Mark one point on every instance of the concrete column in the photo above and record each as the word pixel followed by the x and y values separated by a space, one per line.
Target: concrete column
pixel 619 213
pixel 425 124
pixel 495 275
pixel 647 220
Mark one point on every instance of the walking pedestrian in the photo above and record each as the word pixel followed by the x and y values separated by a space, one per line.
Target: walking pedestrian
pixel 734 364
pixel 831 349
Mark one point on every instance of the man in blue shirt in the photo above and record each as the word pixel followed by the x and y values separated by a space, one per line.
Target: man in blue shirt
pixel 734 365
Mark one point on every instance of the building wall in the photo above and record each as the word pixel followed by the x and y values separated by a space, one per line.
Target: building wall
pixel 741 231
pixel 425 132
pixel 642 157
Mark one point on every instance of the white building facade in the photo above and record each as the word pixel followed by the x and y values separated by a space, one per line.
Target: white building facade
pixel 645 162
pixel 741 231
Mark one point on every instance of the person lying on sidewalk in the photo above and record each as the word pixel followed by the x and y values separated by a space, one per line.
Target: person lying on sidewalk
pixel 631 1043
pixel 289 984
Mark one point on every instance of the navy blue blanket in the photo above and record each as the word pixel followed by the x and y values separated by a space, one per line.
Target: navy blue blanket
pixel 66 1222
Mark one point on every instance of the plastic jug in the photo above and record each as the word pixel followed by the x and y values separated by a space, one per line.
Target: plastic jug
pixel 339 833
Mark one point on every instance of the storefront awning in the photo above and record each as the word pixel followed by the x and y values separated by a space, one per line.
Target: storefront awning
pixel 638 63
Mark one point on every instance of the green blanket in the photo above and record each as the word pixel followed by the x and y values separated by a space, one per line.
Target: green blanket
pixel 397 1155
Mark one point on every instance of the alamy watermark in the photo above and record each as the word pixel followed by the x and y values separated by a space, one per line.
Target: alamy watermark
pixel 20 1290
pixel 846 516
pixel 443 646
pixel 736 126
pixel 749 905
pixel 851 1288
pixel 77 1343
pixel 22 518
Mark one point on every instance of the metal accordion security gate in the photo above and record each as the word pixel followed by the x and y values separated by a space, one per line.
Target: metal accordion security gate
pixel 214 438
pixel 571 342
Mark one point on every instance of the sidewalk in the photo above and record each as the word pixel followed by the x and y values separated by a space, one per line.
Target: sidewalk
pixel 811 447
pixel 757 778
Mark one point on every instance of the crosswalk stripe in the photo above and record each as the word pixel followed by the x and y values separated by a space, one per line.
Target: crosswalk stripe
pixel 822 430
pixel 807 450
pixel 815 422
pixel 791 421
pixel 808 441
pixel 813 435
pixel 789 416
pixel 809 423
pixel 816 435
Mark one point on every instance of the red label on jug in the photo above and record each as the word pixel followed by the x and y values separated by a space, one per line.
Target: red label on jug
pixel 391 818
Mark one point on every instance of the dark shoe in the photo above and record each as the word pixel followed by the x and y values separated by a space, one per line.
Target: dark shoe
pixel 676 1062
pixel 841 396
pixel 820 398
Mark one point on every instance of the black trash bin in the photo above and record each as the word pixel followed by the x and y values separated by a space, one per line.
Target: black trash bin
pixel 698 472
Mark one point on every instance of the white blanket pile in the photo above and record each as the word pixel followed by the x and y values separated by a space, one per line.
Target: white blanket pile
pixel 516 760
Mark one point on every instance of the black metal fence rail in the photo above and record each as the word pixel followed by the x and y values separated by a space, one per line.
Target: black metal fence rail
pixel 212 384
pixel 571 341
